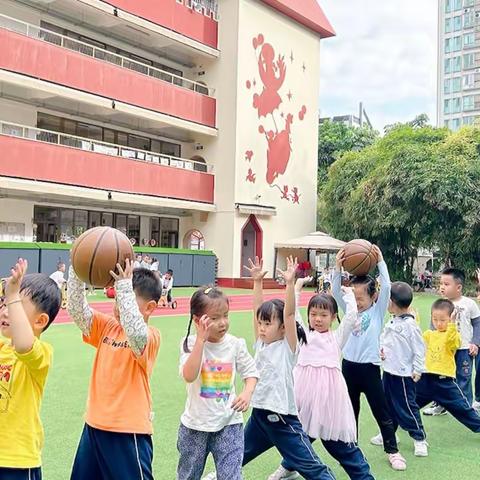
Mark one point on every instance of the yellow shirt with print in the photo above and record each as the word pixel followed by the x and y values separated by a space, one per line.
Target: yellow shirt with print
pixel 441 348
pixel 22 380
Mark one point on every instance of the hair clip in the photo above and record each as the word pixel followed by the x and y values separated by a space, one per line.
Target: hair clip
pixel 207 290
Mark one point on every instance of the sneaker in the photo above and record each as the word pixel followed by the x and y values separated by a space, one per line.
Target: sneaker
pixel 283 474
pixel 210 476
pixel 397 462
pixel 476 406
pixel 421 448
pixel 435 410
pixel 377 440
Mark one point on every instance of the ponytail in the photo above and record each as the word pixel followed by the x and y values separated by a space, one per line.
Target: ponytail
pixel 301 335
pixel 185 341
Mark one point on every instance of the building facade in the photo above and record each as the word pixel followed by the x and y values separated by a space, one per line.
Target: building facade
pixel 190 126
pixel 458 77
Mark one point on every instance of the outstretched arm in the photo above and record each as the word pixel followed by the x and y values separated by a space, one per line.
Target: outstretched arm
pixel 337 280
pixel 257 273
pixel 77 304
pixel 385 287
pixel 298 291
pixel 289 309
pixel 349 319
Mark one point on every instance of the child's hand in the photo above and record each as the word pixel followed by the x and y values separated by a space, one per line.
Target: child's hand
pixel 339 259
pixel 289 274
pixel 12 287
pixel 242 402
pixel 416 377
pixel 123 274
pixel 301 282
pixel 203 328
pixel 379 253
pixel 255 269
pixel 473 350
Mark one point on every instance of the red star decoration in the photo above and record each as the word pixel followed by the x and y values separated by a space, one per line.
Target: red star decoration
pixel 289 95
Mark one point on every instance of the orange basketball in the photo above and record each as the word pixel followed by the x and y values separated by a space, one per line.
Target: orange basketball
pixel 97 251
pixel 360 257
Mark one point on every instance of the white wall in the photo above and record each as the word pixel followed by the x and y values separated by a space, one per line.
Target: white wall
pixel 17 211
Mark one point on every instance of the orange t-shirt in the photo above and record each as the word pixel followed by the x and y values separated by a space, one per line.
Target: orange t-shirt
pixel 119 398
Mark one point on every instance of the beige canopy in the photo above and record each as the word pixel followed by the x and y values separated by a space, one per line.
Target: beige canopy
pixel 318 241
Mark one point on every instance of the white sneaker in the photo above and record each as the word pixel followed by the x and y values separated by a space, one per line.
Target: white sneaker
pixel 476 406
pixel 421 448
pixel 377 440
pixel 283 474
pixel 210 476
pixel 435 410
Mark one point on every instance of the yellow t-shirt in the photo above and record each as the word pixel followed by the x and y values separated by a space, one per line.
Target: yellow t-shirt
pixel 441 348
pixel 22 380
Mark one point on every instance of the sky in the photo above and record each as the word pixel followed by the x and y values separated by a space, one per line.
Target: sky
pixel 384 55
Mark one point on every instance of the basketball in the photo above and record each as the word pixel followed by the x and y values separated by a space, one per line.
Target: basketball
pixel 97 251
pixel 360 257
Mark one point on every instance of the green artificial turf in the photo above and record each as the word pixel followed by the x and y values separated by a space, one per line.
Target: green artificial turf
pixel 453 449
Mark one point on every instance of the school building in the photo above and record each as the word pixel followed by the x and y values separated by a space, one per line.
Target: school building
pixel 184 123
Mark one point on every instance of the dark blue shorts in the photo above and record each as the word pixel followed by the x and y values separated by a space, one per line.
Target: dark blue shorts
pixel 20 473
pixel 103 455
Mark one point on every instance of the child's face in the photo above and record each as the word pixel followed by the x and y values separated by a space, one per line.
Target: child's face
pixel 449 288
pixel 270 331
pixel 364 300
pixel 37 321
pixel 440 319
pixel 320 319
pixel 62 268
pixel 168 276
pixel 218 314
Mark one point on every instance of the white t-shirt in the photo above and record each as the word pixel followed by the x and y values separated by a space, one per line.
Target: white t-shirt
pixel 210 396
pixel 466 309
pixel 274 390
pixel 58 278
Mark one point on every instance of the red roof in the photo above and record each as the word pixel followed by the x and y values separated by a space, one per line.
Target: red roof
pixel 305 12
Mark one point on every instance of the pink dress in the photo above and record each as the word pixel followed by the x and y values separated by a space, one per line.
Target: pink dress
pixel 324 406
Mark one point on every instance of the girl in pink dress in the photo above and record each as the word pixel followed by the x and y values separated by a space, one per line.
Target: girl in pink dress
pixel 321 394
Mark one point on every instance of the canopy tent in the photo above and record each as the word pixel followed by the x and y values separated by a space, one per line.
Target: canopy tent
pixel 318 241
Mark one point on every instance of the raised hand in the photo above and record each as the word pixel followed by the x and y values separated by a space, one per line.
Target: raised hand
pixel 203 328
pixel 339 259
pixel 123 274
pixel 289 274
pixel 12 287
pixel 256 269
pixel 379 253
pixel 301 282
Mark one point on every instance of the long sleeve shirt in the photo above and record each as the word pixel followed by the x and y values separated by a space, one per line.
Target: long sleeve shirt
pixel 403 347
pixel 363 344
pixel 441 349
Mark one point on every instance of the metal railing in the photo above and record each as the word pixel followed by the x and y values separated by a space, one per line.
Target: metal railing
pixel 39 33
pixel 87 144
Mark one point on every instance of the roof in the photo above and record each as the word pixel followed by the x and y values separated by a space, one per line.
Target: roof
pixel 313 241
pixel 306 12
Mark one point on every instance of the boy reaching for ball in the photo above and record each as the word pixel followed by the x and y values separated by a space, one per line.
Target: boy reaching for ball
pixel 116 441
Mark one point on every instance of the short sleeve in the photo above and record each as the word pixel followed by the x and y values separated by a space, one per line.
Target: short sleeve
pixel 474 310
pixel 37 360
pixel 245 363
pixel 99 322
pixel 149 355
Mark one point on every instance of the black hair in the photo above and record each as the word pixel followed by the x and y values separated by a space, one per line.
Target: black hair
pixel 366 280
pixel 401 294
pixel 198 305
pixel 443 304
pixel 59 264
pixel 146 285
pixel 43 293
pixel 456 274
pixel 274 309
pixel 170 271
pixel 323 301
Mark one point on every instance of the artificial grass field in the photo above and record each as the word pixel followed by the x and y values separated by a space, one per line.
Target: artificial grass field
pixel 454 450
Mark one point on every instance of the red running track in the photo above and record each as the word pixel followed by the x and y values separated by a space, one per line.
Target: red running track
pixel 237 303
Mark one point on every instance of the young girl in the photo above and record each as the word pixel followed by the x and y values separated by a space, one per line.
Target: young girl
pixel 274 421
pixel 321 395
pixel 209 361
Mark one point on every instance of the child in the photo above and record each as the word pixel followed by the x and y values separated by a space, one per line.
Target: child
pixel 209 361
pixel 439 383
pixel 361 353
pixel 28 305
pixel 321 395
pixel 476 403
pixel 138 261
pixel 274 420
pixel 117 437
pixel 403 353
pixel 167 285
pixel 58 275
pixel 467 315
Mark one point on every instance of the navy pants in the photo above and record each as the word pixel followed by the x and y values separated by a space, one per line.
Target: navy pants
pixel 446 392
pixel 477 378
pixel 103 455
pixel 20 473
pixel 226 447
pixel 266 429
pixel 349 456
pixel 464 373
pixel 401 393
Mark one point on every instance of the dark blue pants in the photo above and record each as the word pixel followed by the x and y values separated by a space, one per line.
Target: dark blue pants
pixel 446 392
pixel 266 429
pixel 349 456
pixel 401 393
pixel 477 378
pixel 464 373
pixel 103 455
pixel 20 473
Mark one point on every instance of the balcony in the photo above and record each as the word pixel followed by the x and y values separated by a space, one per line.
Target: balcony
pixel 30 50
pixel 44 155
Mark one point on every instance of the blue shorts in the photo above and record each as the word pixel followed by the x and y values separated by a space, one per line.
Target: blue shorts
pixel 20 473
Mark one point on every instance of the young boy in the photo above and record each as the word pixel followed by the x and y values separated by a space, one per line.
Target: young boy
pixel 167 285
pixel 28 305
pixel 439 383
pixel 467 316
pixel 361 354
pixel 402 351
pixel 58 275
pixel 117 437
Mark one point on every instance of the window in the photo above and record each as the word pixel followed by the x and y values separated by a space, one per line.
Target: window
pixel 457 23
pixel 469 80
pixel 456 44
pixel 456 105
pixel 448 65
pixel 164 231
pixel 468 3
pixel 468 20
pixel 457 64
pixel 455 125
pixel 446 105
pixel 121 222
pixel 469 120
pixel 447 86
pixel 469 60
pixel 448 6
pixel 468 39
pixel 133 227
pixel 468 103
pixel 456 84
pixel 194 240
pixel 457 4
pixel 448 45
pixel 448 25
pixel 446 123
